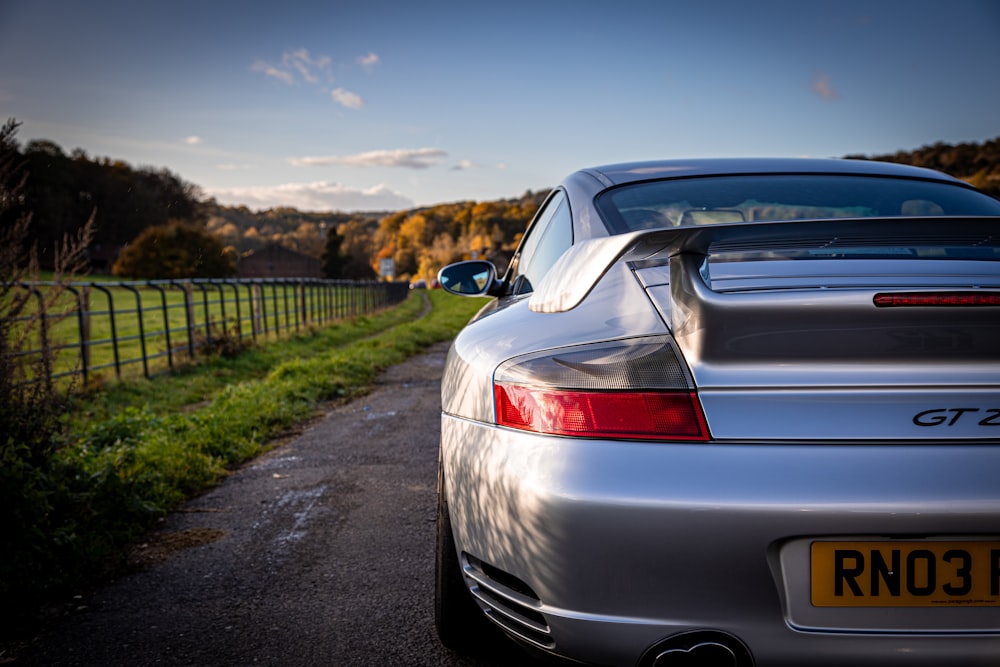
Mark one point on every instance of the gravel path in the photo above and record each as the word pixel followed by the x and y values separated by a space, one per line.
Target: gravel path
pixel 318 553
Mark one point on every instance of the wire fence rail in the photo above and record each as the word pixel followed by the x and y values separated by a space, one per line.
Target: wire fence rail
pixel 99 326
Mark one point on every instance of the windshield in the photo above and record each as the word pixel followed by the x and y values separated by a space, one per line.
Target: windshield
pixel 720 199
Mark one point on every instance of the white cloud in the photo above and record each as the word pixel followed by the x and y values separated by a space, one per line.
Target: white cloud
pixel 822 86
pixel 297 65
pixel 346 98
pixel 301 66
pixel 274 72
pixel 465 164
pixel 309 68
pixel 418 158
pixel 369 61
pixel 315 196
pixel 193 140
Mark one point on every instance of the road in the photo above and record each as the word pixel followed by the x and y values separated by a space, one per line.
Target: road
pixel 319 553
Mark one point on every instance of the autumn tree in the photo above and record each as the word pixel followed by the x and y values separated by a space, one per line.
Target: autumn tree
pixel 307 238
pixel 175 250
pixel 443 251
pixel 979 164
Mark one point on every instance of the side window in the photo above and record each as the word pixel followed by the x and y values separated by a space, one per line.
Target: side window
pixel 547 239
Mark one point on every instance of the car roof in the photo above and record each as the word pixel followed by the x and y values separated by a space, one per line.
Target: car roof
pixel 631 172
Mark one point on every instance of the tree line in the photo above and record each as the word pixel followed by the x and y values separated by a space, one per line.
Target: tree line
pixel 978 164
pixel 63 190
pixel 150 223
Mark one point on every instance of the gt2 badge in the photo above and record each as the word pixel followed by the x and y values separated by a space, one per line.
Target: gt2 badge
pixel 951 416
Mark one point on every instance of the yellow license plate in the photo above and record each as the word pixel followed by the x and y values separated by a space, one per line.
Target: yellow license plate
pixel 906 574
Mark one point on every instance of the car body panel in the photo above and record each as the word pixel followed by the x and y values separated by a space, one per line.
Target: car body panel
pixel 582 266
pixel 632 172
pixel 610 533
pixel 831 420
pixel 503 333
pixel 853 414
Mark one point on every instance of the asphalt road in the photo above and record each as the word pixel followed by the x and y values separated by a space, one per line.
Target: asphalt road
pixel 319 553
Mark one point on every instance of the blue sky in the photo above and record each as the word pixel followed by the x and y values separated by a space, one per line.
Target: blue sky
pixel 377 105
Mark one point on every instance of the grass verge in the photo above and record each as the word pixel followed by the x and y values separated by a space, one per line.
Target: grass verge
pixel 134 452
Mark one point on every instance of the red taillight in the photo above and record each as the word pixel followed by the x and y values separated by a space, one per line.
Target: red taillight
pixel 654 415
pixel 903 299
pixel 630 389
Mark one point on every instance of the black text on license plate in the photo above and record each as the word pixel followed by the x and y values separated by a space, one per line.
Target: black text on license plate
pixel 905 574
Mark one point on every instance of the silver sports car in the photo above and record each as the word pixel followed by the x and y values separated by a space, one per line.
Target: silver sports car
pixel 731 412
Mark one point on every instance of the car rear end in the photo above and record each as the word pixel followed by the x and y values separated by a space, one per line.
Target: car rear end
pixel 808 465
pixel 861 387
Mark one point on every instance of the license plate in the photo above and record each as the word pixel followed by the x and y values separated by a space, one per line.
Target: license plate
pixel 906 574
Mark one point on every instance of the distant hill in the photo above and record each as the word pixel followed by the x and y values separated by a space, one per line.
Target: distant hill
pixel 978 164
pixel 247 230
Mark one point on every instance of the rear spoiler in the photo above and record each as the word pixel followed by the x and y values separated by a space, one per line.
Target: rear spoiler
pixel 581 267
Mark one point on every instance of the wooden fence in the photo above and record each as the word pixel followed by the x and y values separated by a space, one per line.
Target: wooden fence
pixel 99 326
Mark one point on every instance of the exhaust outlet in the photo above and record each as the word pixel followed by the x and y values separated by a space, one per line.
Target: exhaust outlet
pixel 708 654
pixel 698 649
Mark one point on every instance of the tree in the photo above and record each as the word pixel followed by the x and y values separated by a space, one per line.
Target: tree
pixel 307 238
pixel 63 190
pixel 348 250
pixel 175 250
pixel 333 258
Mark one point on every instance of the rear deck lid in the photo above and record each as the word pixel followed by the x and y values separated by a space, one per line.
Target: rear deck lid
pixel 836 329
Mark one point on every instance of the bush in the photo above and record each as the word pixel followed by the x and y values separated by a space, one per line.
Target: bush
pixel 175 250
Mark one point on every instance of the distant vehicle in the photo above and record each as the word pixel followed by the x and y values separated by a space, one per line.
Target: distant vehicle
pixel 731 412
pixel 419 284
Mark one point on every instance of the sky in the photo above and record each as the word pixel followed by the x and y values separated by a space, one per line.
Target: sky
pixel 387 105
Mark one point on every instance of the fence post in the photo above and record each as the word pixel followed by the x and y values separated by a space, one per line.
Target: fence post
pixel 304 302
pixel 204 302
pixel 222 303
pixel 47 354
pixel 189 316
pixel 83 327
pixel 114 328
pixel 239 315
pixel 166 321
pixel 277 308
pixel 257 313
pixel 331 300
pixel 142 330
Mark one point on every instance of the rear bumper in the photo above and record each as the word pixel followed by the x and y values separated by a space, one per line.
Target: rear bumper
pixel 610 547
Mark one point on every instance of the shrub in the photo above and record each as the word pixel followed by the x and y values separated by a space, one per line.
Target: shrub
pixel 175 250
pixel 38 489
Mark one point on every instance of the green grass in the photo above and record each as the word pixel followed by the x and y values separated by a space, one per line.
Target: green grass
pixel 137 450
pixel 184 430
pixel 193 384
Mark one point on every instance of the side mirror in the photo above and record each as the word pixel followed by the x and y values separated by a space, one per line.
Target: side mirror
pixel 475 277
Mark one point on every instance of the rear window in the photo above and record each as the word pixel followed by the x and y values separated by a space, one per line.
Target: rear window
pixel 772 197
